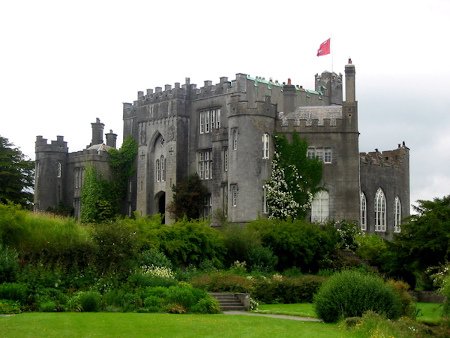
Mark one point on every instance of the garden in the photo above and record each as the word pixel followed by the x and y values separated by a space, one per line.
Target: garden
pixel 55 270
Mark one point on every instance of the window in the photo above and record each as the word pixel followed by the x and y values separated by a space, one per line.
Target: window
pixel 58 169
pixel 327 155
pixel 158 171
pixel 225 159
pixel 37 171
pixel 77 178
pixel 265 208
pixel 398 214
pixel 324 155
pixel 320 207
pixel 163 168
pixel 265 141
pixel 380 211
pixel 209 119
pixel 204 168
pixel 234 138
pixel 207 206
pixel 234 194
pixel 363 212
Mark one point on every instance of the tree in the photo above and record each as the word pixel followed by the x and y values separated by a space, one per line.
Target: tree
pixel 188 198
pixel 423 242
pixel 294 179
pixel 16 175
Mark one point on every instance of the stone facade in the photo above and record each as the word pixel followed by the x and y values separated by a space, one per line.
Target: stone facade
pixel 224 132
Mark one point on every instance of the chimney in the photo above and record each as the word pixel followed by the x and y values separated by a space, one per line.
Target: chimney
pixel 97 132
pixel 350 81
pixel 111 139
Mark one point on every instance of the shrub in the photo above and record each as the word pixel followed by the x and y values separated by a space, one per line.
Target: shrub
pixel 122 300
pixel 222 281
pixel 138 280
pixel 9 264
pixel 14 291
pixel 183 295
pixel 262 259
pixel 287 289
pixel 9 307
pixel 90 301
pixel 351 293
pixel 85 301
pixel 153 257
pixel 47 306
pixel 374 325
pixel 207 305
pixel 407 301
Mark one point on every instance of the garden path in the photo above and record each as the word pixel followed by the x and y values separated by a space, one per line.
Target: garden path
pixel 245 313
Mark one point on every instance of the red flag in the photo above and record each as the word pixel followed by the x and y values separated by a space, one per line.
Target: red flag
pixel 324 48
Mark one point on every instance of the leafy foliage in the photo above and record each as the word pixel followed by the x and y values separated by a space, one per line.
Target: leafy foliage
pixel 351 293
pixel 298 243
pixel 97 204
pixel 122 164
pixel 424 242
pixel 188 198
pixel 294 179
pixel 16 175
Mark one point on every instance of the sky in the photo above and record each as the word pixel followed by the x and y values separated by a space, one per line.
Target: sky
pixel 65 63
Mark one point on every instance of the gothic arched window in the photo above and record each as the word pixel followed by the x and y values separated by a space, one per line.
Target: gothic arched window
pixel 380 211
pixel 398 214
pixel 363 212
pixel 320 210
pixel 158 171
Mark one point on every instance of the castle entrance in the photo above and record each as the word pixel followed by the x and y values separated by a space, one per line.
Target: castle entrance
pixel 161 204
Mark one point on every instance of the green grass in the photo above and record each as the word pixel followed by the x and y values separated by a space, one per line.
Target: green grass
pixel 301 309
pixel 429 312
pixel 159 325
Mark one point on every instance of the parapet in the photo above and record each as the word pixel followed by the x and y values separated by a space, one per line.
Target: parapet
pixel 388 158
pixel 58 145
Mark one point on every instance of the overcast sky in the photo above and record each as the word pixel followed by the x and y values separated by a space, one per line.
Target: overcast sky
pixel 64 63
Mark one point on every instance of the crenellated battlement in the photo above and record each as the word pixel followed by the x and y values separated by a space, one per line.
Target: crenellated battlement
pixel 58 145
pixel 312 116
pixel 387 158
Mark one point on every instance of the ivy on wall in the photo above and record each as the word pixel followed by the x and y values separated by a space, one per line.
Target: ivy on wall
pixel 101 199
pixel 294 179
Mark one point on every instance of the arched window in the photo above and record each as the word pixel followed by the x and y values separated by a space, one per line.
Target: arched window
pixel 265 141
pixel 158 171
pixel 363 212
pixel 163 169
pixel 320 207
pixel 380 211
pixel 58 170
pixel 398 214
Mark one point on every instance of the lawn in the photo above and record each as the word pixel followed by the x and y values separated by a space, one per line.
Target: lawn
pixel 301 309
pixel 429 312
pixel 159 325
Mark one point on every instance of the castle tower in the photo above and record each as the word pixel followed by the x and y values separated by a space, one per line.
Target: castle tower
pixel 50 174
pixel 350 81
pixel 97 132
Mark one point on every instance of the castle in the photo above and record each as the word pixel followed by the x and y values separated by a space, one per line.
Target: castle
pixel 224 132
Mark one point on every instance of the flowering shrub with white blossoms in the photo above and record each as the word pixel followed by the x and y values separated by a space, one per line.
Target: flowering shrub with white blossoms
pixel 294 178
pixel 157 271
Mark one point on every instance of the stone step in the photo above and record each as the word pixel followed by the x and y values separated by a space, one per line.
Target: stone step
pixel 228 301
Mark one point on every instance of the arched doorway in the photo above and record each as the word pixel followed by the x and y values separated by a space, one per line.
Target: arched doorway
pixel 160 200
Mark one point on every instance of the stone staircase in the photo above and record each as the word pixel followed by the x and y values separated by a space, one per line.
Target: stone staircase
pixel 231 301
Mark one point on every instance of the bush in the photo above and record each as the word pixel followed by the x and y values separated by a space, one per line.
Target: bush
pixel 9 264
pixel 287 290
pixel 47 306
pixel 85 301
pixel 14 291
pixel 407 301
pixel 351 293
pixel 207 305
pixel 138 280
pixel 222 282
pixel 154 257
pixel 374 325
pixel 9 307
